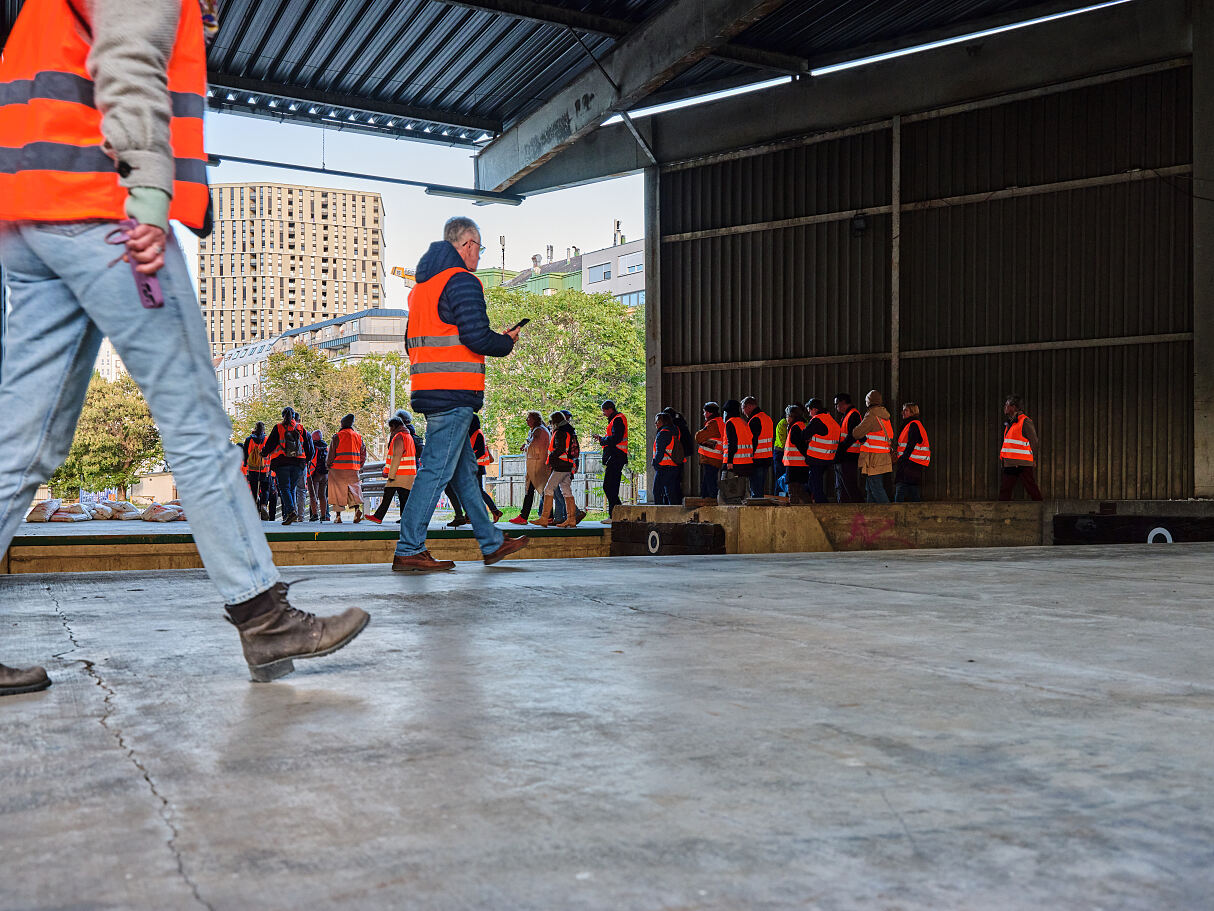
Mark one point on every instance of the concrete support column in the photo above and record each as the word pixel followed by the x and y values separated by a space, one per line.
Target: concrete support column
pixel 653 317
pixel 895 264
pixel 1203 249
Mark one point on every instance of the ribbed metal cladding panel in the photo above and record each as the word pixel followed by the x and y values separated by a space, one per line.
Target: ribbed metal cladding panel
pixel 1115 422
pixel 835 176
pixel 1137 123
pixel 809 291
pixel 1092 263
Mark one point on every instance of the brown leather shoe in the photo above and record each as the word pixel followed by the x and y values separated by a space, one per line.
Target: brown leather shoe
pixel 420 563
pixel 273 639
pixel 509 546
pixel 14 680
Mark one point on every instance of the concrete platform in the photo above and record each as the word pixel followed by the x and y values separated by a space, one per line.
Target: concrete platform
pixel 1026 728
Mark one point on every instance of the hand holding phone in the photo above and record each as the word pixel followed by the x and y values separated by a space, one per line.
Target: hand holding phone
pixel 519 325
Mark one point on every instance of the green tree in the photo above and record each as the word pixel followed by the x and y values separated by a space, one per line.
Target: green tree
pixel 116 440
pixel 578 350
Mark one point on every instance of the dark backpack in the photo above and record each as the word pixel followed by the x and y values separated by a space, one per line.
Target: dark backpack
pixel 677 452
pixel 292 443
pixel 322 451
pixel 575 448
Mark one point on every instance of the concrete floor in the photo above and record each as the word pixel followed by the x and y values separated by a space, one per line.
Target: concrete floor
pixel 115 527
pixel 998 729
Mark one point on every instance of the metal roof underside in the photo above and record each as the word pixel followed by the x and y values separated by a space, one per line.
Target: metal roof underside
pixel 459 73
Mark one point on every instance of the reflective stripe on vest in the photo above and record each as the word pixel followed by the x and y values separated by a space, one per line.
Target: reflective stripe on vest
pixel 667 459
pixel 438 361
pixel 856 446
pixel 714 448
pixel 881 440
pixel 485 459
pixel 408 459
pixel 765 442
pixel 744 453
pixel 622 446
pixel 922 453
pixel 277 451
pixel 52 165
pixel 1015 444
pixel 792 455
pixel 822 447
pixel 348 453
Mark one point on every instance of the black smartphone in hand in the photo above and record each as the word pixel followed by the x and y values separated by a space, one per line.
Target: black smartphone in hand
pixel 519 325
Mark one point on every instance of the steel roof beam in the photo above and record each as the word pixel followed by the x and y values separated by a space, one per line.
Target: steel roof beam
pixel 619 28
pixel 221 81
pixel 683 33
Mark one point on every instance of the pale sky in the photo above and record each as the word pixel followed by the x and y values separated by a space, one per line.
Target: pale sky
pixel 583 216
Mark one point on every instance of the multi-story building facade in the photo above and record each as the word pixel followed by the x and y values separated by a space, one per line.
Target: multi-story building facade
pixel 618 270
pixel 548 277
pixel 108 363
pixel 284 256
pixel 238 371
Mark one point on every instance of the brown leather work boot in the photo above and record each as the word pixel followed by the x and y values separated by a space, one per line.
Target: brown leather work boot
pixel 420 563
pixel 509 546
pixel 14 680
pixel 274 638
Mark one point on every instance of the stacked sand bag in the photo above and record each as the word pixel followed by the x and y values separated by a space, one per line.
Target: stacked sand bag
pixel 73 512
pixel 123 509
pixel 160 512
pixel 44 510
pixel 101 511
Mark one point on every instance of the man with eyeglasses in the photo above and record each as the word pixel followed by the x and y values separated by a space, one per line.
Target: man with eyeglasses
pixel 448 339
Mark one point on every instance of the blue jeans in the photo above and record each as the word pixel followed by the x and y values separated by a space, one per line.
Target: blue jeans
pixel 668 485
pixel 65 298
pixel 289 476
pixel 874 488
pixel 907 493
pixel 449 459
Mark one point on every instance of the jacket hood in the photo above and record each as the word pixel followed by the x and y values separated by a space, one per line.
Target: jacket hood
pixel 878 411
pixel 440 257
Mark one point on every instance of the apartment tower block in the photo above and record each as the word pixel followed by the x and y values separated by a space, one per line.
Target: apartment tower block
pixel 284 256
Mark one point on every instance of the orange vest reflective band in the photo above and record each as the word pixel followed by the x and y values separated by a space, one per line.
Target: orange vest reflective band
pixel 667 459
pixel 437 359
pixel 792 455
pixel 1015 444
pixel 715 447
pixel 922 453
pixel 881 440
pixel 856 446
pixel 622 446
pixel 52 165
pixel 765 442
pixel 485 459
pixel 744 453
pixel 823 447
pixel 348 454
pixel 408 459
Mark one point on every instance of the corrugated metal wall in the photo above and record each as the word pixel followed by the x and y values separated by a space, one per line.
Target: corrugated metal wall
pixel 1078 296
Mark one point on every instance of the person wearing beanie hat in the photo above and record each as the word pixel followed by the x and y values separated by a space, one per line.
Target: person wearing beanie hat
pixel 347 456
pixel 876 436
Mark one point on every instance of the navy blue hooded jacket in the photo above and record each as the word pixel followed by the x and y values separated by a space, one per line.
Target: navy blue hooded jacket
pixel 461 304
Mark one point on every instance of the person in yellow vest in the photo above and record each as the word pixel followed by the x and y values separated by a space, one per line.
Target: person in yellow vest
pixel 875 434
pixel 400 468
pixel 448 338
pixel 346 458
pixel 914 455
pixel 102 104
pixel 763 429
pixel 1018 451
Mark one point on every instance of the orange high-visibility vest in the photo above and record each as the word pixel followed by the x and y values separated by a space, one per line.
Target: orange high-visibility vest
pixel 792 455
pixel 881 440
pixel 822 447
pixel 485 459
pixel 667 459
pixel 622 446
pixel 52 164
pixel 437 358
pixel 922 453
pixel 348 454
pixel 744 453
pixel 282 430
pixel 855 446
pixel 765 442
pixel 408 459
pixel 1015 444
pixel 713 449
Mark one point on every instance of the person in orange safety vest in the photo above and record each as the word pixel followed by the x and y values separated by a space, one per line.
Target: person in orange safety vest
pixel 1018 451
pixel 763 430
pixel 347 456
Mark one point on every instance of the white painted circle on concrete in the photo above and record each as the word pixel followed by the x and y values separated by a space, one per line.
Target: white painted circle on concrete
pixel 1162 532
pixel 654 542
